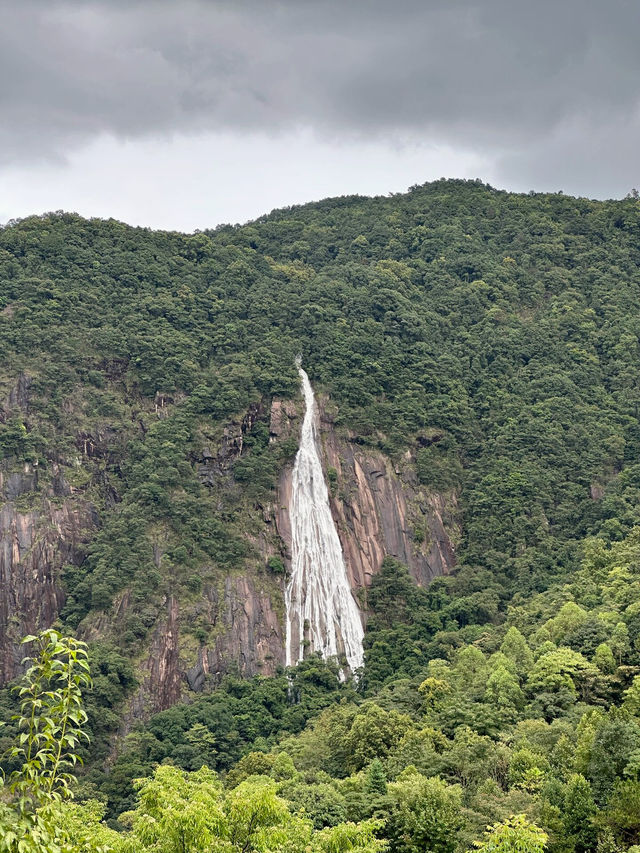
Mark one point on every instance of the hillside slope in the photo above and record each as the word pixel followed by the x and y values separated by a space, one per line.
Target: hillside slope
pixel 475 355
pixel 481 347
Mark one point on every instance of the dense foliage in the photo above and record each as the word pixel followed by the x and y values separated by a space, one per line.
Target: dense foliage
pixel 50 728
pixel 496 333
pixel 537 716
pixel 494 337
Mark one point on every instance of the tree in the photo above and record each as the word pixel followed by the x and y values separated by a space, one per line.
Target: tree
pixel 471 757
pixel 603 658
pixel 586 732
pixel 515 835
pixel 352 837
pixel 376 782
pixel 503 690
pixel 622 815
pixel 425 814
pixel 257 817
pixel 252 764
pixel 555 676
pixel 321 803
pixel 85 830
pixel 632 697
pixel 435 691
pixel 177 812
pixel 515 647
pixel 568 619
pixel 619 641
pixel 617 736
pixel 562 757
pixel 578 813
pixel 182 812
pixel 51 724
pixel 374 733
pixel 527 769
pixel 204 742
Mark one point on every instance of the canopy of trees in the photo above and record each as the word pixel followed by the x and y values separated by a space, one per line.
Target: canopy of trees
pixel 493 337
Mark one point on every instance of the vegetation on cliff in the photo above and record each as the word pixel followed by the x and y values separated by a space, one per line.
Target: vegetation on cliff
pixel 493 337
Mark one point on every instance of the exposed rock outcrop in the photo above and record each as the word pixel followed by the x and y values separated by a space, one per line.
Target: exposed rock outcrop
pixel 284 420
pixel 216 464
pixel 161 683
pixel 246 639
pixel 249 636
pixel 19 395
pixel 379 509
pixel 34 546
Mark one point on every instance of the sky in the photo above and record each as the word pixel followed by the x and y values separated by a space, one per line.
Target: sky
pixel 187 114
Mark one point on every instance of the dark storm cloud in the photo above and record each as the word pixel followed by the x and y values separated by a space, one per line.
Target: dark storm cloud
pixel 550 89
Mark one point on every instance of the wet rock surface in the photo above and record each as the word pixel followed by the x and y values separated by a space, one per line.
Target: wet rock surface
pixel 379 509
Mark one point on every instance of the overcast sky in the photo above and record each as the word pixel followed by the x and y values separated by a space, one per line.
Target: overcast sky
pixel 189 113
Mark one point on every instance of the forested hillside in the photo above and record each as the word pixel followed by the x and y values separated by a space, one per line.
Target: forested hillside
pixel 485 342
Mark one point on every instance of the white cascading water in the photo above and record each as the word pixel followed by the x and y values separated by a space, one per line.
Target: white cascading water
pixel 318 598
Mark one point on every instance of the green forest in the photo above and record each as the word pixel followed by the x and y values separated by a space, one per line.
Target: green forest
pixel 491 336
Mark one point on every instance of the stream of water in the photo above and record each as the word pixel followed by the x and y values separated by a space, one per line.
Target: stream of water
pixel 322 614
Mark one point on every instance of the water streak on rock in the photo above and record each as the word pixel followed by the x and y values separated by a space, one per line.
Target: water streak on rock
pixel 322 614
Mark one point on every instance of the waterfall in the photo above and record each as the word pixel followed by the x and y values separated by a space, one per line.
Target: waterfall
pixel 319 603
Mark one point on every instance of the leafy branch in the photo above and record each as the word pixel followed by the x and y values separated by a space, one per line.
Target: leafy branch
pixel 50 722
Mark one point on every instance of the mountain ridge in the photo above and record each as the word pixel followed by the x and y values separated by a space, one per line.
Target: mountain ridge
pixel 484 343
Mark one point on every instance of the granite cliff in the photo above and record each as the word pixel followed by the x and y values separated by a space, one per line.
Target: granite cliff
pixel 44 525
pixel 378 507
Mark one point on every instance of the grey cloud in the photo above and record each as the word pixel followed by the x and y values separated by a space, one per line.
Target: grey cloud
pixel 526 83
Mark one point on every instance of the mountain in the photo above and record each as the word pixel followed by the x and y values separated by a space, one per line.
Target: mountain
pixel 475 358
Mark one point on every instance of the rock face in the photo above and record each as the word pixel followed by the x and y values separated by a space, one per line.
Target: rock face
pixel 19 395
pixel 246 640
pixel 215 465
pixel 379 510
pixel 378 507
pixel 161 683
pixel 34 545
pixel 42 527
pixel 249 633
pixel 382 511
